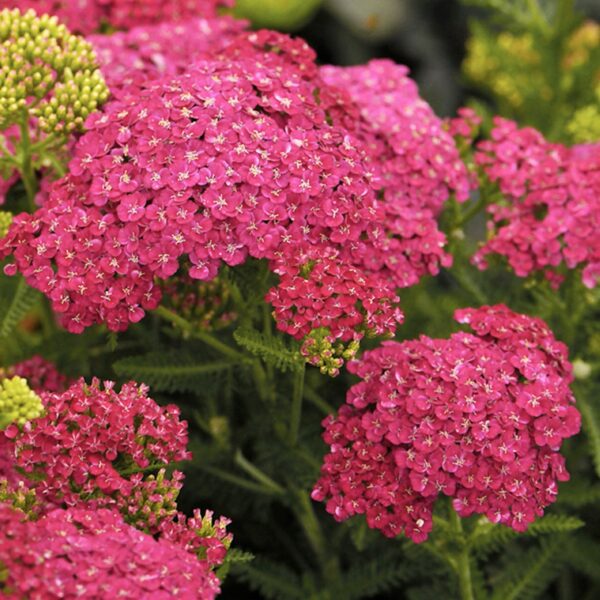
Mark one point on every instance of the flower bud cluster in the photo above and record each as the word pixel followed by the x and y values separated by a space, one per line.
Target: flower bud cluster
pixel 18 402
pixel 46 73
pixel 320 351
pixel 550 212
pixel 477 417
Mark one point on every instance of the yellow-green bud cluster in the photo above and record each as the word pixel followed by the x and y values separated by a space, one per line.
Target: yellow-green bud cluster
pixel 46 73
pixel 585 124
pixel 18 402
pixel 154 500
pixel 20 497
pixel 5 221
pixel 321 352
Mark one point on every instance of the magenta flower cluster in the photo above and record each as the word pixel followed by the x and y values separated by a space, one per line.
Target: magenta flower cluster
pixel 87 16
pixel 77 553
pixel 89 457
pixel 478 417
pixel 415 159
pixel 91 434
pixel 41 374
pixel 233 159
pixel 549 215
pixel 248 154
pixel 131 58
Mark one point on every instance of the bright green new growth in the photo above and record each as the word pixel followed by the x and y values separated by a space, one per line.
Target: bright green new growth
pixel 46 73
pixel 5 221
pixel 18 403
pixel 585 124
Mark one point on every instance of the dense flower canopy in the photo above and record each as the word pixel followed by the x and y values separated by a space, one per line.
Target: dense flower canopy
pixel 88 16
pixel 549 215
pixel 233 159
pixel 477 417
pixel 93 554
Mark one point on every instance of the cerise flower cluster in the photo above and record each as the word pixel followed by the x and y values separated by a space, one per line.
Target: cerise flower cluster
pixel 87 16
pixel 41 374
pixel 550 210
pixel 131 58
pixel 416 160
pixel 233 159
pixel 477 417
pixel 93 554
pixel 93 440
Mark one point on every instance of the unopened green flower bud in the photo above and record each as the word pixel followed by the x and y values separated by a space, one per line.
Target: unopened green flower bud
pixel 18 402
pixel 40 58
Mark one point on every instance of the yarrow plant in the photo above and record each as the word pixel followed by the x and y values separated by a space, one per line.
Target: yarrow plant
pixel 479 418
pixel 201 222
pixel 83 454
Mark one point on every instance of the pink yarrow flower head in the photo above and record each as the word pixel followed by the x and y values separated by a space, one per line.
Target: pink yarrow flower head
pixel 413 156
pixel 233 159
pixel 548 218
pixel 87 16
pixel 479 417
pixel 41 374
pixel 93 443
pixel 94 554
pixel 130 59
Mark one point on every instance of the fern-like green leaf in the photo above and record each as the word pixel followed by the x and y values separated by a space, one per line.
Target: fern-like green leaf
pixel 16 300
pixel 273 580
pixel 272 350
pixel 528 575
pixel 490 537
pixel 172 372
pixel 374 577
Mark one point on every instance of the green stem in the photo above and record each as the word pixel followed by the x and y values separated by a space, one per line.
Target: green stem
pixel 239 481
pixel 312 530
pixel 315 399
pixel 204 336
pixel 26 165
pixel 257 474
pixel 296 413
pixel 462 562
